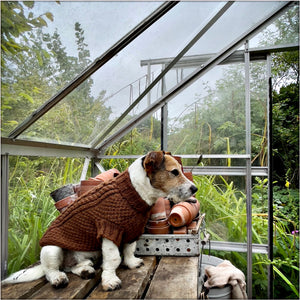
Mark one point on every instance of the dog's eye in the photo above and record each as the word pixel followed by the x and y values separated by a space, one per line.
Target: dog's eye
pixel 175 172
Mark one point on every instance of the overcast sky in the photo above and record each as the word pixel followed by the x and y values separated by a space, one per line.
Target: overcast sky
pixel 105 23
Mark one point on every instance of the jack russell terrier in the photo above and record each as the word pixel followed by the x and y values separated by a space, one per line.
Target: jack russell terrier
pixel 111 215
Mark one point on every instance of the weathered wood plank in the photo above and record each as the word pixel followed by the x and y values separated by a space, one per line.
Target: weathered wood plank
pixel 77 288
pixel 175 277
pixel 21 290
pixel 133 282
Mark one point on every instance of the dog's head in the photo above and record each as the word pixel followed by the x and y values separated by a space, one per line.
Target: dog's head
pixel 165 174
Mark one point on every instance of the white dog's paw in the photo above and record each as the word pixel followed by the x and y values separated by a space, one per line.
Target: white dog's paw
pixel 87 272
pixel 58 279
pixel 134 262
pixel 110 281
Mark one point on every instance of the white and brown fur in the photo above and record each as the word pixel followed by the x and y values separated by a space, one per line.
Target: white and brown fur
pixel 155 175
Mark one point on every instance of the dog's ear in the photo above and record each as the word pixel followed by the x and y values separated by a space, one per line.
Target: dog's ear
pixel 153 161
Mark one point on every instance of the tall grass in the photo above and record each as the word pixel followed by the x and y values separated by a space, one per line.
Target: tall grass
pixel 225 209
pixel 30 205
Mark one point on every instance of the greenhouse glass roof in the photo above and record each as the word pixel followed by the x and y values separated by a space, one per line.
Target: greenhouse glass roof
pixel 127 46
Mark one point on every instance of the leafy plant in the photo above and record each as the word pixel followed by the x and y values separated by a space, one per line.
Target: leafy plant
pixel 30 205
pixel 226 221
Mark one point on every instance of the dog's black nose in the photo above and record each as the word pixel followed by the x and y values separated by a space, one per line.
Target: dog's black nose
pixel 193 189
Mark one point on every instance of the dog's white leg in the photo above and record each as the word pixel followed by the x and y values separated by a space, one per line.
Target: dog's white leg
pixel 130 260
pixel 84 269
pixel 51 260
pixel 111 261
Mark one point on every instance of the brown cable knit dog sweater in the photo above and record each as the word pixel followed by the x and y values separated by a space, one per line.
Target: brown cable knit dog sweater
pixel 112 210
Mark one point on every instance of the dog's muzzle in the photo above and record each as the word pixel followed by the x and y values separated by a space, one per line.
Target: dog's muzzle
pixel 182 193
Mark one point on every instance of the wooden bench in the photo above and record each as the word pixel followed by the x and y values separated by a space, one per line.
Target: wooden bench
pixel 160 278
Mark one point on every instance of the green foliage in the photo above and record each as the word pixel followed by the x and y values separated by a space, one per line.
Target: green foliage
pixel 286 206
pixel 285 65
pixel 141 140
pixel 48 68
pixel 286 134
pixel 30 205
pixel 215 123
pixel 225 211
pixel 15 23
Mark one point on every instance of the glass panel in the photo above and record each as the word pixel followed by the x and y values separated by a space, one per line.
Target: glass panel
pixel 45 58
pixel 239 18
pixel 111 89
pixel 259 115
pixel 223 200
pixel 124 70
pixel 209 116
pixel 276 33
pixel 96 18
pixel 142 139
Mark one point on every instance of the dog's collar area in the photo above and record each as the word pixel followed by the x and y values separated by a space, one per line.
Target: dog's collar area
pixel 130 194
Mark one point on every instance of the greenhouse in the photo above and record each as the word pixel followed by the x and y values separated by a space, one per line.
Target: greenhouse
pixel 91 86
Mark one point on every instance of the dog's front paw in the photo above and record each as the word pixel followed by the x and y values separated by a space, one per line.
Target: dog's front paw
pixel 134 262
pixel 59 280
pixel 110 281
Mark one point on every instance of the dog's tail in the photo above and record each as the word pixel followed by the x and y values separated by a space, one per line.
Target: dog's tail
pixel 25 275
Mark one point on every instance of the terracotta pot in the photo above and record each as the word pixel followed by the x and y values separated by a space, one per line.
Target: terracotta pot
pixel 192 226
pixel 62 192
pixel 107 175
pixel 158 211
pixel 183 213
pixel 158 227
pixel 61 205
pixel 180 230
pixel 87 185
pixel 158 223
pixel 94 179
pixel 158 230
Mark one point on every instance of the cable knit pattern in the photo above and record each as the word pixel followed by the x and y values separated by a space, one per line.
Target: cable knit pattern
pixel 112 210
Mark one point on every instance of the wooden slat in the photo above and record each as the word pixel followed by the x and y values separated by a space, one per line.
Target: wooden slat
pixel 77 288
pixel 21 290
pixel 133 282
pixel 175 278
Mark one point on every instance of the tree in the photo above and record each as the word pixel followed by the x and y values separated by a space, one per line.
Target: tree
pixel 39 69
pixel 15 23
pixel 21 51
pixel 285 65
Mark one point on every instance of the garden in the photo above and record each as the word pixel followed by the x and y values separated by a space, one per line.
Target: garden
pixel 36 63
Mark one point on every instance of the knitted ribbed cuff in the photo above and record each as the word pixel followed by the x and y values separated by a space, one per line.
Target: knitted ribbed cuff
pixel 110 231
